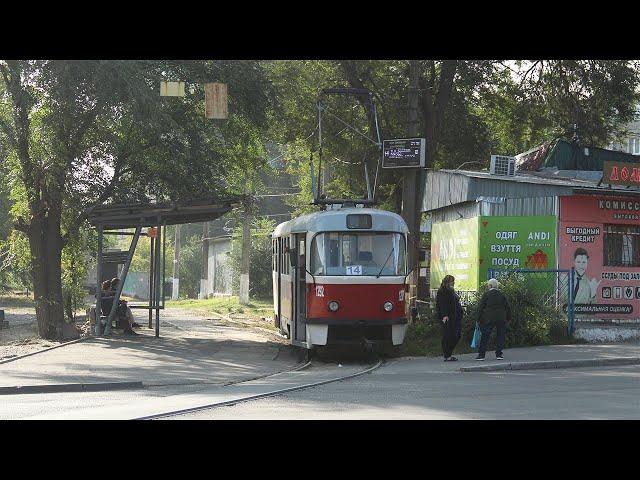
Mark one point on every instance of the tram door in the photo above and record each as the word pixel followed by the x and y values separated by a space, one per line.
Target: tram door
pixel 277 270
pixel 300 287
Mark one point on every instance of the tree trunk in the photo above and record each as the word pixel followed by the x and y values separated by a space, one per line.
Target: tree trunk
pixel 45 241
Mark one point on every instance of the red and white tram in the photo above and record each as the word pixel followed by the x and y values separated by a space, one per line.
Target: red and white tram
pixel 339 277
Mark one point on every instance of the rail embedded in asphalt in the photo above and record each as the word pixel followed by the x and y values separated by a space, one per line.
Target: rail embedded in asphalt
pixel 271 393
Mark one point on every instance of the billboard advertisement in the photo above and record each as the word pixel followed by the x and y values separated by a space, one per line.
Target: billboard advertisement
pixel 508 243
pixel 454 251
pixel 600 238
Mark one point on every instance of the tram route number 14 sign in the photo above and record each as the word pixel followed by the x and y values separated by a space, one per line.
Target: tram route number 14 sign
pixel 354 270
pixel 403 153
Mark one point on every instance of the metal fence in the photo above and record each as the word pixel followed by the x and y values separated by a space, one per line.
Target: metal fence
pixel 552 288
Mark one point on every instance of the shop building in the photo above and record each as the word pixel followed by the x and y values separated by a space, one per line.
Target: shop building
pixel 556 211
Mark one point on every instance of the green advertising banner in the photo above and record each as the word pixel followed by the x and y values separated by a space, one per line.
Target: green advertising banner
pixel 454 251
pixel 508 243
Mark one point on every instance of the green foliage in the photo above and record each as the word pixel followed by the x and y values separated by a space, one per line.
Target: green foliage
pixel 228 305
pixel 15 261
pixel 547 97
pixel 190 266
pixel 534 320
pixel 5 203
pixel 493 107
pixel 74 272
pixel 260 280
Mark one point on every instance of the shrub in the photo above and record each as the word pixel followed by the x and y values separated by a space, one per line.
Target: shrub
pixel 260 279
pixel 536 320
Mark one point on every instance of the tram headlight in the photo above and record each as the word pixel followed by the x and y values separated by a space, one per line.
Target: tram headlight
pixel 388 306
pixel 333 306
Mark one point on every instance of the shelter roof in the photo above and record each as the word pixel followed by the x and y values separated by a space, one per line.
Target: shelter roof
pixel 129 215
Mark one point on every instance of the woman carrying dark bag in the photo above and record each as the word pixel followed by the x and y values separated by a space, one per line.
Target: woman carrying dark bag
pixel 449 311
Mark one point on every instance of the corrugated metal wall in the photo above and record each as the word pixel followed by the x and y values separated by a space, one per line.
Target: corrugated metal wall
pixel 513 207
pixel 455 212
pixel 444 189
pixel 522 207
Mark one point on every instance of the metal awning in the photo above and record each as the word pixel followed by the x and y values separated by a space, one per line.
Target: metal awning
pixel 130 215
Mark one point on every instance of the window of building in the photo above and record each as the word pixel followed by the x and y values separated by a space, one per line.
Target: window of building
pixel 634 145
pixel 622 245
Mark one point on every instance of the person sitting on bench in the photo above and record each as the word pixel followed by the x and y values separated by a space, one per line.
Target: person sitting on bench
pixel 124 316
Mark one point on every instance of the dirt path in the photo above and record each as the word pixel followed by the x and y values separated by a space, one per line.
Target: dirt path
pixel 22 335
pixel 22 338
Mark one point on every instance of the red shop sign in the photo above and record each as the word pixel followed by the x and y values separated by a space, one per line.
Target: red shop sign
pixel 621 173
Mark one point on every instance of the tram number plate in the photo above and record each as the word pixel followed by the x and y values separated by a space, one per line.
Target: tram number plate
pixel 354 270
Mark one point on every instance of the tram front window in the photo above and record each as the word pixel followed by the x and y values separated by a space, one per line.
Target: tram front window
pixel 349 253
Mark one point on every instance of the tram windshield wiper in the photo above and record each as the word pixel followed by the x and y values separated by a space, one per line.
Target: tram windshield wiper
pixel 385 263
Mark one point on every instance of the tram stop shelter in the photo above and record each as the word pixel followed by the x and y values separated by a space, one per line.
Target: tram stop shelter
pixel 112 219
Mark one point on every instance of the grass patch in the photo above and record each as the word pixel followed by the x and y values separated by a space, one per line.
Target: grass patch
pixel 255 310
pixel 17 301
pixel 423 339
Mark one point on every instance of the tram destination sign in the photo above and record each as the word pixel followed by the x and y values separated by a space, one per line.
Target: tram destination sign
pixel 621 173
pixel 403 153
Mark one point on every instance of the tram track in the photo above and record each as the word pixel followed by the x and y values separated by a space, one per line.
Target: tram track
pixel 272 393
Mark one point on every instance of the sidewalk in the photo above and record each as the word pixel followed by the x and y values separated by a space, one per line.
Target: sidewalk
pixel 214 355
pixel 548 356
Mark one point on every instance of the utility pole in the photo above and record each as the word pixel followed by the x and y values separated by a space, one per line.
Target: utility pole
pixel 176 265
pixel 204 273
pixel 246 252
pixel 410 208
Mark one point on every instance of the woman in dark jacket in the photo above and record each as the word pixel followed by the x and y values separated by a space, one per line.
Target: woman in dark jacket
pixel 449 311
pixel 495 311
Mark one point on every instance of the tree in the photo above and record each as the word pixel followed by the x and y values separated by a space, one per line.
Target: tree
pixel 190 266
pixel 260 267
pixel 540 100
pixel 84 132
pixel 466 111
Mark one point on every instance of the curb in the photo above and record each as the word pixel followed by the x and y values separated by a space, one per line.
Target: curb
pixel 70 387
pixel 547 364
pixel 13 359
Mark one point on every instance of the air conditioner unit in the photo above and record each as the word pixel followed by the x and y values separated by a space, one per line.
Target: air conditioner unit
pixel 502 165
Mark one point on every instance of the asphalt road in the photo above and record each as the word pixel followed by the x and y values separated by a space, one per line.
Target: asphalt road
pixel 398 390
pixel 404 390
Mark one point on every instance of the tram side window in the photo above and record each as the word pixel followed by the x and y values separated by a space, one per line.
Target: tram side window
pixel 285 256
pixel 285 245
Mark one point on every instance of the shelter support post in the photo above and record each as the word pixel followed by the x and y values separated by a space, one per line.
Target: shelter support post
pixel 98 327
pixel 151 278
pixel 158 283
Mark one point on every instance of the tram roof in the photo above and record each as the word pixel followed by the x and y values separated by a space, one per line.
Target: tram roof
pixel 336 221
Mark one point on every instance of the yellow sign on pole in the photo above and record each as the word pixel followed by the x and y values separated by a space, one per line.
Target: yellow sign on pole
pixel 215 96
pixel 172 89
